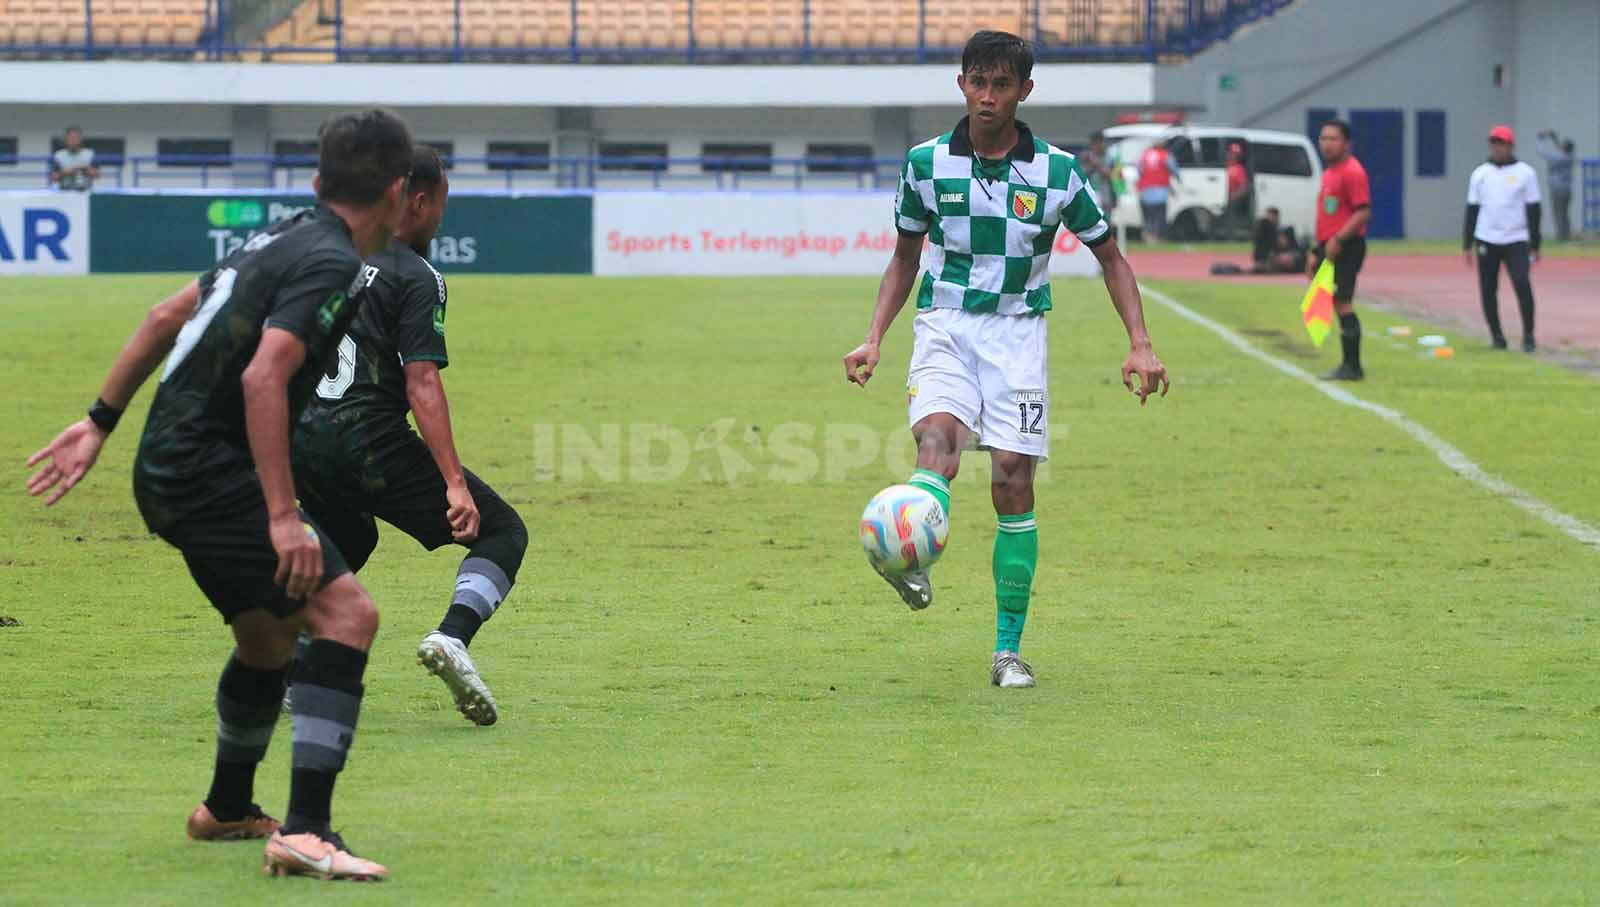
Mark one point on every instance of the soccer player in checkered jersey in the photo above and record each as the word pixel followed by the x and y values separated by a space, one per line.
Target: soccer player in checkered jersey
pixel 989 199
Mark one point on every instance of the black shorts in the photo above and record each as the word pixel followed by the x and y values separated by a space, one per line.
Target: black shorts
pixel 404 489
pixel 1345 267
pixel 229 551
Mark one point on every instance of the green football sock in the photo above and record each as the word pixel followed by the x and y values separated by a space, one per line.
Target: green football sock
pixel 936 485
pixel 1016 555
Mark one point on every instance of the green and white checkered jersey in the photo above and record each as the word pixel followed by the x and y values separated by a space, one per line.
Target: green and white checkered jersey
pixel 989 242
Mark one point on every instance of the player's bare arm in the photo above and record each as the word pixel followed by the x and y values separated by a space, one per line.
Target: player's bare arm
pixel 892 292
pixel 1124 289
pixel 266 425
pixel 431 409
pixel 74 451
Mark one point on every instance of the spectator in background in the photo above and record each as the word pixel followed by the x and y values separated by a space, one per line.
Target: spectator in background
pixel 1503 221
pixel 1559 158
pixel 1238 210
pixel 72 167
pixel 1098 170
pixel 1276 249
pixel 1158 170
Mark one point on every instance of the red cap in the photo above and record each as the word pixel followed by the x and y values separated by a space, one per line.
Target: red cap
pixel 1503 134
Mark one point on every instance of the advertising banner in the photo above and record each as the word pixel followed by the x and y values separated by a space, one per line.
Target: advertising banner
pixel 44 233
pixel 482 234
pixel 733 233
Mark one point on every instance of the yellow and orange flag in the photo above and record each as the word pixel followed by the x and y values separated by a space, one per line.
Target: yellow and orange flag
pixel 1317 307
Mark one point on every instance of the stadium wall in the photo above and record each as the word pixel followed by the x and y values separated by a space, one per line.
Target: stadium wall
pixel 576 110
pixel 608 233
pixel 1531 63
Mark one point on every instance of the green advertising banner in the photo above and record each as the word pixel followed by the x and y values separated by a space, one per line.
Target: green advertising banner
pixel 531 234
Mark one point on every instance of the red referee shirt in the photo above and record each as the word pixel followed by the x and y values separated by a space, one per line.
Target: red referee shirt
pixel 1344 189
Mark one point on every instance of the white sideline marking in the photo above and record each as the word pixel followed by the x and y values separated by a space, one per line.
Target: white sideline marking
pixel 1447 453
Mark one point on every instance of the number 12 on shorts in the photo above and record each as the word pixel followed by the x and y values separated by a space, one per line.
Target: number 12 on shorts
pixel 1031 415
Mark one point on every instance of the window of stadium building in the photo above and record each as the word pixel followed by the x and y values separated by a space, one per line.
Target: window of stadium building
pixel 835 158
pixel 751 157
pixel 633 156
pixel 295 152
pixel 185 152
pixel 516 155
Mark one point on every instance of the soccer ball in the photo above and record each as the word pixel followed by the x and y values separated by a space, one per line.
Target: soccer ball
pixel 904 529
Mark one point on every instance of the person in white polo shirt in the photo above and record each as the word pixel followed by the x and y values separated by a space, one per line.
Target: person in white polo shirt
pixel 1503 210
pixel 72 167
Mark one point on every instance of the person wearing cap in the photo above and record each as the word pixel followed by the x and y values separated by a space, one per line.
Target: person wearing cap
pixel 1503 212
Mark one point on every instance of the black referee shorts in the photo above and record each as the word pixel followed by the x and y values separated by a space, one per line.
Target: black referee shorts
pixel 1345 268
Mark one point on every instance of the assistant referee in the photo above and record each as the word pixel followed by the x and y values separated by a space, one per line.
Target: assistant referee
pixel 1344 206
pixel 1503 212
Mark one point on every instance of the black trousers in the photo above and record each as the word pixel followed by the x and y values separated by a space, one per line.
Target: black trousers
pixel 1515 257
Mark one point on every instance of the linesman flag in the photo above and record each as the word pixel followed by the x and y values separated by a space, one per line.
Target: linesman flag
pixel 1317 308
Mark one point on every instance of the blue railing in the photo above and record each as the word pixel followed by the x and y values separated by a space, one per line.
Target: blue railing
pixel 498 173
pixel 232 30
pixel 1590 214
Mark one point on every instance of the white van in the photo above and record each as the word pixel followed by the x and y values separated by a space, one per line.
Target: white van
pixel 1285 172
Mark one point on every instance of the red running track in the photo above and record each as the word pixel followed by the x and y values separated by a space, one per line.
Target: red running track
pixel 1440 288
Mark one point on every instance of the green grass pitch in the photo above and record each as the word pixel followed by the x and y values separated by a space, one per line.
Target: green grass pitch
pixel 1284 655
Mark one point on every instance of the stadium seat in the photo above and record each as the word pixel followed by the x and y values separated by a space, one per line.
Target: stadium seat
pixel 158 32
pixel 25 32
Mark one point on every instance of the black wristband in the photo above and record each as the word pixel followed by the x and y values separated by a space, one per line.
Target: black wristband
pixel 103 415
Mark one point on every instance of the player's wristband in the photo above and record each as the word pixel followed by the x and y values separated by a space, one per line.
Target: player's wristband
pixel 104 415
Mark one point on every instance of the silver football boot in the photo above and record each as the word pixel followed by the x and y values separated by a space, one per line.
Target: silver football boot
pixel 1009 671
pixel 446 658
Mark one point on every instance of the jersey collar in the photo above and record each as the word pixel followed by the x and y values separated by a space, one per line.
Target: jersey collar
pixel 961 142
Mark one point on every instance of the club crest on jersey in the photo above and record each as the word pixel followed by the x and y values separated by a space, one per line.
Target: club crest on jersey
pixel 330 310
pixel 1024 204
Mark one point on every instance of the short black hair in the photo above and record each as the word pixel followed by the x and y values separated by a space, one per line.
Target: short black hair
pixel 1098 135
pixel 1273 209
pixel 1341 125
pixel 987 50
pixel 1567 146
pixel 72 129
pixel 359 155
pixel 427 170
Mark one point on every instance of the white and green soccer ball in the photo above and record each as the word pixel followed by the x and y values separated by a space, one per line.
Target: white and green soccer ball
pixel 904 529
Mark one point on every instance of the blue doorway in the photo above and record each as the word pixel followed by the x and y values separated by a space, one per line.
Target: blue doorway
pixel 1380 144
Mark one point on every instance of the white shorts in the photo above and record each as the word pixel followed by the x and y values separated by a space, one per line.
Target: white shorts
pixel 987 370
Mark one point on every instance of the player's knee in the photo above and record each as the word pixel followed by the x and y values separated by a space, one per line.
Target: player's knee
pixel 938 450
pixel 266 644
pixel 1012 475
pixel 344 612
